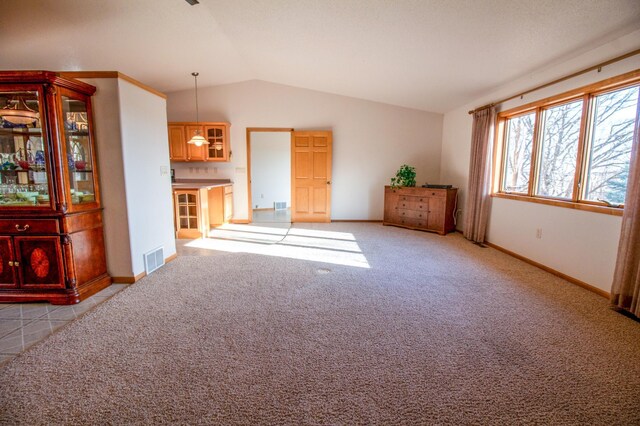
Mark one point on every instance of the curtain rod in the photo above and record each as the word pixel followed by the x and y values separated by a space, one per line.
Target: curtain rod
pixel 567 77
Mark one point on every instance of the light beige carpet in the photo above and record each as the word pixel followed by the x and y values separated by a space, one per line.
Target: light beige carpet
pixel 435 331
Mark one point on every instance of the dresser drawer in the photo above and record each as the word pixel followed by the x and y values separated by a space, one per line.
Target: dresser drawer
pixel 412 214
pixel 413 205
pixel 413 199
pixel 437 193
pixel 29 226
pixel 412 221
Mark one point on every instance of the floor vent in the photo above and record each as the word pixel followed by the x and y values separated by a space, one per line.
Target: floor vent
pixel 153 260
pixel 280 205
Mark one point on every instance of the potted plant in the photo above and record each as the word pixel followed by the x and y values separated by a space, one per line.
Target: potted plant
pixel 405 176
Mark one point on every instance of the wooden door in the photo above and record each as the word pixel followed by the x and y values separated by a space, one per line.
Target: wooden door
pixel 216 206
pixel 228 204
pixel 390 205
pixel 177 144
pixel 39 262
pixel 435 218
pixel 195 153
pixel 7 270
pixel 311 176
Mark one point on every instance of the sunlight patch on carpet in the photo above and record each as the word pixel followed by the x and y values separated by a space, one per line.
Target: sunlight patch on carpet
pixel 302 244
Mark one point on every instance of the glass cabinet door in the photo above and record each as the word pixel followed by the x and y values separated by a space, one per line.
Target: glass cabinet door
pixel 187 210
pixel 216 150
pixel 79 161
pixel 24 157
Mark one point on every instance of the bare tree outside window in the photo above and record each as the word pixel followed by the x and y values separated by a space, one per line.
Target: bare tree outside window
pixel 559 150
pixel 610 148
pixel 518 153
pixel 585 135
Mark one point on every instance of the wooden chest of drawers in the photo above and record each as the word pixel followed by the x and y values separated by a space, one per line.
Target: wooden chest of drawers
pixel 426 209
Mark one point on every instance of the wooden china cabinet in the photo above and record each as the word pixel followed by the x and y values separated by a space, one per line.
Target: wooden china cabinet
pixel 51 235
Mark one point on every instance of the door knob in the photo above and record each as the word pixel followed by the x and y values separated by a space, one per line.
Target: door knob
pixel 328 182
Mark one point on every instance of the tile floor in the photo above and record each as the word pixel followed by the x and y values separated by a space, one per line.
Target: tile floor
pixel 24 324
pixel 271 215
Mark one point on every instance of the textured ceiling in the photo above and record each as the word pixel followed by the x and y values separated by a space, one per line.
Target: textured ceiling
pixel 432 55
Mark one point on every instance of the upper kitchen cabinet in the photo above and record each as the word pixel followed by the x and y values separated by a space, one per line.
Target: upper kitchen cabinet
pixel 217 134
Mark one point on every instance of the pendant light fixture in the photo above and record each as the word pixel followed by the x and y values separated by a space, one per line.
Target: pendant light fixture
pixel 197 139
pixel 19 113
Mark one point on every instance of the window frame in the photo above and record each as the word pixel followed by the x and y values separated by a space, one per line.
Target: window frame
pixel 588 95
pixel 506 134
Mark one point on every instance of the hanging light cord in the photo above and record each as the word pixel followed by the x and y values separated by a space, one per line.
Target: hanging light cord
pixel 195 76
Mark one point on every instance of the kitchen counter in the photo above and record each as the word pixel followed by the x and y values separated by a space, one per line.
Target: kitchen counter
pixel 199 183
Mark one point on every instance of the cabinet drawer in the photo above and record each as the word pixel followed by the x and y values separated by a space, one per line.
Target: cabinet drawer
pixel 412 214
pixel 438 193
pixel 412 221
pixel 413 205
pixel 413 199
pixel 29 226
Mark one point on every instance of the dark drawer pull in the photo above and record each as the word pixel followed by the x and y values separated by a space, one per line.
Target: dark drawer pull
pixel 21 229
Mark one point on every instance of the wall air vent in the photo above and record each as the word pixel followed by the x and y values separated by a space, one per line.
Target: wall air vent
pixel 153 260
pixel 280 205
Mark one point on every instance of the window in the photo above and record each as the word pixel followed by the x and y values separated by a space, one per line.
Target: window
pixel 572 150
pixel 518 153
pixel 610 149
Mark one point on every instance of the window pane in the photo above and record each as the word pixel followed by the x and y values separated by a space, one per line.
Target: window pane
pixel 610 150
pixel 519 139
pixel 559 150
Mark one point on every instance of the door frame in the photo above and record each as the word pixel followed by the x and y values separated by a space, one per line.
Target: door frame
pixel 249 131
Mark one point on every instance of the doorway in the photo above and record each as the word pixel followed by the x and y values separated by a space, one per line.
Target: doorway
pixel 310 160
pixel 269 157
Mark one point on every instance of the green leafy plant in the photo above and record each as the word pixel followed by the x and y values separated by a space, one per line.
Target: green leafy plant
pixel 405 176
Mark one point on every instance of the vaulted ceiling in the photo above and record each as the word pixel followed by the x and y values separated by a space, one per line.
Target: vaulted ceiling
pixel 431 55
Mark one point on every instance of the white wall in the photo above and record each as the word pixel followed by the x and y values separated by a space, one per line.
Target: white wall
pixel 270 168
pixel 145 152
pixel 580 244
pixel 106 114
pixel 131 145
pixel 370 140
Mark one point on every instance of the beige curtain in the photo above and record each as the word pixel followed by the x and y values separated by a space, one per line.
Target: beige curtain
pixel 479 188
pixel 625 292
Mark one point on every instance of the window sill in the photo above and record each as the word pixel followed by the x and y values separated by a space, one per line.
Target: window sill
pixel 614 211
